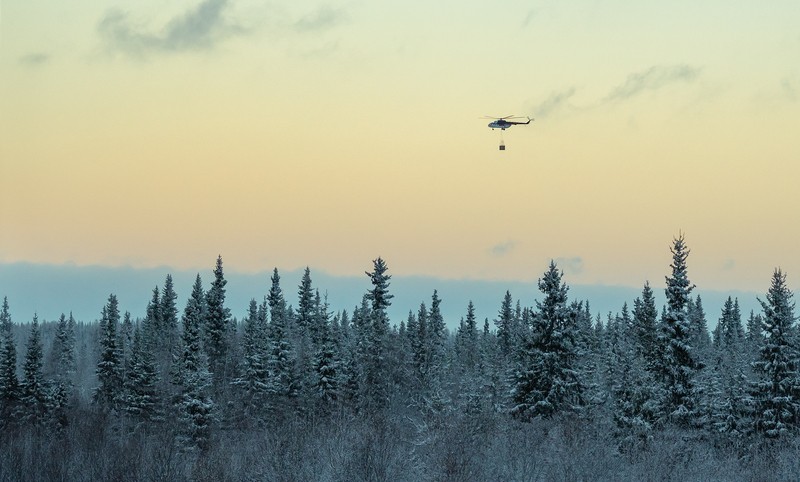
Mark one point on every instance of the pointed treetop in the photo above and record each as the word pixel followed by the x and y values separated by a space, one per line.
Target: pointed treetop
pixel 5 316
pixel 779 304
pixel 379 294
pixel 678 285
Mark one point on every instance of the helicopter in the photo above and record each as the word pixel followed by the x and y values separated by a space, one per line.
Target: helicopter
pixel 504 123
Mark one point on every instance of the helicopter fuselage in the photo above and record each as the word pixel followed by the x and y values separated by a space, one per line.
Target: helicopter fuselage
pixel 504 124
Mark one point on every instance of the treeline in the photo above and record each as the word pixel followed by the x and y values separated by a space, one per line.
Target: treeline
pixel 402 400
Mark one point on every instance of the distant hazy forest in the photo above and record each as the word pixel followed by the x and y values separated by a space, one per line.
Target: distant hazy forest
pixel 296 392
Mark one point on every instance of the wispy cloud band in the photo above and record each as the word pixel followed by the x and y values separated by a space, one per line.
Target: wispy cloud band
pixel 34 59
pixel 651 79
pixel 502 249
pixel 199 28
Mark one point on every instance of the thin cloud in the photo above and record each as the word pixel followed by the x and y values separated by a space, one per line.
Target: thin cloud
pixel 789 89
pixel 555 102
pixel 572 265
pixel 502 249
pixel 532 13
pixel 324 18
pixel 651 79
pixel 728 265
pixel 199 28
pixel 34 59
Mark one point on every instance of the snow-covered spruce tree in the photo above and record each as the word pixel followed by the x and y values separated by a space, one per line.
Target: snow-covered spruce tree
pixel 343 334
pixel 586 325
pixel 153 317
pixel 303 336
pixel 188 358
pixel 374 386
pixel 700 340
pixel 716 334
pixel 324 326
pixel 193 404
pixel 125 336
pixel 728 401
pixel 678 366
pixel 420 356
pixel 737 329
pixel 109 366
pixel 154 325
pixel 305 303
pixel 545 381
pixel 754 335
pixel 326 362
pixel 196 408
pixel 585 340
pixel 437 352
pixel 631 394
pixel 33 399
pixel 216 329
pixel 169 318
pixel 487 341
pixel 354 351
pixel 276 302
pixel 507 348
pixel 9 383
pixel 615 327
pixel 283 381
pixel 437 333
pixel 645 327
pixel 776 391
pixel 142 401
pixel 589 353
pixel 467 341
pixel 505 324
pixel 411 345
pixel 468 357
pixel 253 381
pixel 494 384
pixel 401 355
pixel 64 351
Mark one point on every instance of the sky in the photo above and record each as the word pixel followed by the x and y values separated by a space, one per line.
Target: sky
pixel 325 134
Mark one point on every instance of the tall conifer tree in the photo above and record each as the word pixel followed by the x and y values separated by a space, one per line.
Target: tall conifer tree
pixel 546 381
pixel 194 404
pixel 375 386
pixel 109 366
pixel 776 392
pixel 33 394
pixel 64 349
pixel 216 327
pixel 679 366
pixel 9 383
pixel 283 381
pixel 504 323
pixel 254 377
pixel 169 316
pixel 142 398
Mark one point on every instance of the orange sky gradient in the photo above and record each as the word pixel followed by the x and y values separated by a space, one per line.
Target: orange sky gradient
pixel 165 133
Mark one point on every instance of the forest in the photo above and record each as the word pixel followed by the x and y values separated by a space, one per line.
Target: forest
pixel 547 390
